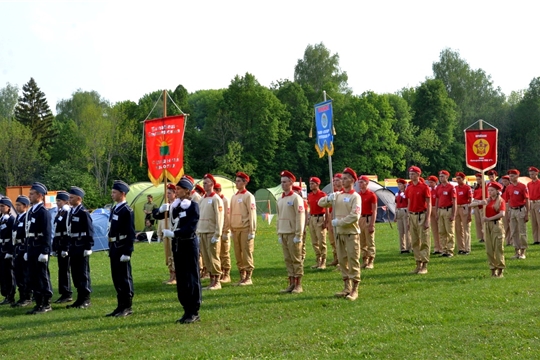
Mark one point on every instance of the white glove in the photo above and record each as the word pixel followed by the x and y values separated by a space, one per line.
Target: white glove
pixel 280 240
pixel 186 203
pixel 331 196
pixel 87 252
pixel 66 207
pixel 5 217
pixel 251 236
pixel 296 240
pixel 175 203
pixel 25 256
pixel 64 254
pixel 168 233
pixel 43 258
pixel 214 240
pixel 334 222
pixel 8 256
pixel 53 253
pixel 125 258
pixel 164 207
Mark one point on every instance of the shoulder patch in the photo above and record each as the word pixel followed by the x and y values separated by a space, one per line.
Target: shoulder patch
pixel 253 206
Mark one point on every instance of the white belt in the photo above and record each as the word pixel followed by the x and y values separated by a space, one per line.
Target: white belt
pixel 121 237
pixel 34 234
pixel 75 235
pixel 60 233
pixel 5 240
pixel 19 241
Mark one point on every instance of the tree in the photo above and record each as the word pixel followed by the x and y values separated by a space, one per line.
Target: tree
pixel 320 70
pixel 8 101
pixel 33 111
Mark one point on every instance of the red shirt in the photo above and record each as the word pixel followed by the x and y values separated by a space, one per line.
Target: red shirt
pixel 313 200
pixel 446 195
pixel 417 195
pixel 433 195
pixel 463 194
pixel 490 211
pixel 368 199
pixel 534 189
pixel 504 194
pixel 517 194
pixel 401 200
pixel 477 194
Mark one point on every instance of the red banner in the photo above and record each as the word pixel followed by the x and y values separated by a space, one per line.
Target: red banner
pixel 481 149
pixel 165 148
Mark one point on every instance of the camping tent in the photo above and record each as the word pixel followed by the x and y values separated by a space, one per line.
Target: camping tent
pixel 266 199
pixel 386 205
pixel 100 220
pixel 136 197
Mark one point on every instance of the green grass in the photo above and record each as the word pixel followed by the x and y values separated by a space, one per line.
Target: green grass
pixel 455 312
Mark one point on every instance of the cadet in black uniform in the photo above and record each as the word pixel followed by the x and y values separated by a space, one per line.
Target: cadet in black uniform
pixel 39 248
pixel 81 234
pixel 22 275
pixel 185 246
pixel 121 238
pixel 60 246
pixel 7 276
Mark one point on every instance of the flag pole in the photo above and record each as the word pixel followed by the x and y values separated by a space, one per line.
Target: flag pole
pixel 482 212
pixel 329 156
pixel 165 171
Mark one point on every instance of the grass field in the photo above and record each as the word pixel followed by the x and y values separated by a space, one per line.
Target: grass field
pixel 457 311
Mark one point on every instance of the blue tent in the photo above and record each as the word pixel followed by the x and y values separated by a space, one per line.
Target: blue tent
pixel 100 219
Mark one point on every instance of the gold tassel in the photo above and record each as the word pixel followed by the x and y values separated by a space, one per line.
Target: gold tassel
pixel 333 130
pixel 311 132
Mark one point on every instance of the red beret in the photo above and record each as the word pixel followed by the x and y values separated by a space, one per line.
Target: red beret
pixel 286 173
pixel 351 172
pixel 315 180
pixel 217 186
pixel 171 187
pixel 338 175
pixel 460 174
pixel 495 185
pixel 433 178
pixel 296 188
pixel 505 177
pixel 190 178
pixel 478 174
pixel 401 181
pixel 492 172
pixel 444 172
pixel 415 169
pixel 242 175
pixel 532 168
pixel 421 179
pixel 513 172
pixel 364 178
pixel 199 188
pixel 211 177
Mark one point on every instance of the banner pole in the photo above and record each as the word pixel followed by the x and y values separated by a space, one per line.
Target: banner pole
pixel 481 126
pixel 165 171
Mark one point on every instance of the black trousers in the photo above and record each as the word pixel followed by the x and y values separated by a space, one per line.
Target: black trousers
pixel 7 277
pixel 80 271
pixel 122 280
pixel 40 278
pixel 64 276
pixel 188 282
pixel 22 277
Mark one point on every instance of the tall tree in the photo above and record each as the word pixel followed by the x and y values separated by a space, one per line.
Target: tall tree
pixel 33 111
pixel 8 100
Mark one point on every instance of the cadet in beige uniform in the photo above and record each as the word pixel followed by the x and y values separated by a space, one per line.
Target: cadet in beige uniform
pixel 224 254
pixel 347 206
pixel 209 230
pixel 337 184
pixel 243 226
pixel 291 223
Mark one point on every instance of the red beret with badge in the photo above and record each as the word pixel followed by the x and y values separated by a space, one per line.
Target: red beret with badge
pixel 364 178
pixel 513 172
pixel 433 178
pixel 242 176
pixel 460 174
pixel 314 179
pixel 532 168
pixel 444 172
pixel 351 172
pixel 211 177
pixel 401 181
pixel 495 185
pixel 287 173
pixel 415 169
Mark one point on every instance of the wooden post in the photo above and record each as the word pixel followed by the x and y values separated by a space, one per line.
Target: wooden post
pixel 165 171
pixel 482 212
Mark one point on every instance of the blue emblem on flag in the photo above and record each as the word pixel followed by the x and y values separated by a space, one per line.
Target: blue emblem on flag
pixel 323 122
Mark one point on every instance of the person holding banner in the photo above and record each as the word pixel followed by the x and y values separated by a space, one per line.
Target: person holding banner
pixel 224 254
pixel 463 214
pixel 167 242
pixel 348 207
pixel 432 183
pixel 402 218
pixel 419 196
pixel 317 222
pixel 534 192
pixel 518 200
pixel 337 185
pixel 446 212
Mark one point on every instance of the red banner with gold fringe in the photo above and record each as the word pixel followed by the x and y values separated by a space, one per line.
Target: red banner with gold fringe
pixel 481 149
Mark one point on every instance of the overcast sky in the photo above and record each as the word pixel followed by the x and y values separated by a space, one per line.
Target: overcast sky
pixel 124 50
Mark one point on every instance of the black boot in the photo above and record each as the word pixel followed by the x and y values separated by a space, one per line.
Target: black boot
pixel 118 308
pixel 126 308
pixel 38 300
pixel 64 299
pixel 45 306
pixel 8 301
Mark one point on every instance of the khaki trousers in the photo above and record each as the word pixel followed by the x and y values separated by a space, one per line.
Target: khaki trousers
pixel 332 238
pixel 518 228
pixel 463 228
pixel 367 239
pixel 317 233
pixel 402 220
pixel 419 237
pixel 535 220
pixel 225 254
pixel 243 249
pixel 292 254
pixel 210 253
pixel 478 214
pixel 167 246
pixel 434 224
pixel 506 224
pixel 348 251
pixel 446 231
pixel 494 244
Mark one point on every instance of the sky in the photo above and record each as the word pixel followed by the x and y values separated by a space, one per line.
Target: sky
pixel 124 50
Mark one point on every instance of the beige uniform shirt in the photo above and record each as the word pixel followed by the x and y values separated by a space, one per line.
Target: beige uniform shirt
pixel 226 215
pixel 348 207
pixel 243 211
pixel 210 215
pixel 196 197
pixel 291 215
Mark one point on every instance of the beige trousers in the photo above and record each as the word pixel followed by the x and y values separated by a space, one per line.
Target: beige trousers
pixel 518 228
pixel 494 244
pixel 535 220
pixel 463 228
pixel 434 224
pixel 317 233
pixel 243 249
pixel 402 220
pixel 446 231
pixel 210 253
pixel 367 239
pixel 292 254
pixel 419 237
pixel 348 251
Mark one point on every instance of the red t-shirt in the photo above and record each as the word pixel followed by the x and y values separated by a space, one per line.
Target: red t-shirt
pixel 490 211
pixel 504 194
pixel 433 195
pixel 401 200
pixel 368 199
pixel 446 194
pixel 463 194
pixel 417 195
pixel 477 194
pixel 517 194
pixel 313 200
pixel 534 189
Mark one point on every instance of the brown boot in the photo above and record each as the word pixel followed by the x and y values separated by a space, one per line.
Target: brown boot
pixel 493 272
pixel 346 289
pixel 226 276
pixel 418 267
pixel 205 274
pixel 364 262
pixel 335 261
pixel 423 269
pixel 289 288
pixel 297 285
pixel 214 284
pixel 242 277
pixel 354 291
pixel 316 266
pixel 172 278
pixel 370 262
pixel 247 279
pixel 500 273
pixel 322 266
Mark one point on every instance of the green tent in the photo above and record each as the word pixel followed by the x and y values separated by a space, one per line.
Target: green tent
pixel 136 197
pixel 266 199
